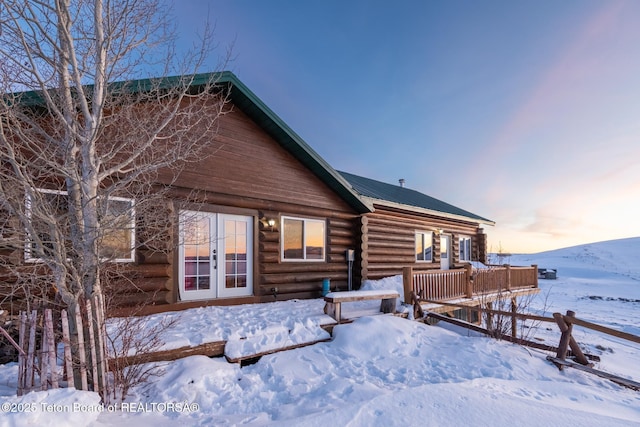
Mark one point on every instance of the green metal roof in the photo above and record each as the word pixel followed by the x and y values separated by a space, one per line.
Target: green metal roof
pixel 405 196
pixel 350 187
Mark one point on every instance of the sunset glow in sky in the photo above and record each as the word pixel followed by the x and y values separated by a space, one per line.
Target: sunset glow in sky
pixel 527 112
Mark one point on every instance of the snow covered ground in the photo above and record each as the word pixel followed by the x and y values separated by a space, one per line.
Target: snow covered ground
pixel 382 370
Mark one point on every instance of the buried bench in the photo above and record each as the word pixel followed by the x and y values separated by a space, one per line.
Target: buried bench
pixel 335 299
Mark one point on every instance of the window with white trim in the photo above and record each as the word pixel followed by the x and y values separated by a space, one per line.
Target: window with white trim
pixel 424 246
pixel 117 239
pixel 465 248
pixel 303 239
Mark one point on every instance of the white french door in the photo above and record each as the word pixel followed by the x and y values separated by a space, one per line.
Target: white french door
pixel 216 257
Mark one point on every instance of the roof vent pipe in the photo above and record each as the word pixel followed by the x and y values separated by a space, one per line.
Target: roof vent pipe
pixel 401 181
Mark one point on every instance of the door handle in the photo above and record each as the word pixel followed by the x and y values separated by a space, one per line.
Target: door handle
pixel 215 260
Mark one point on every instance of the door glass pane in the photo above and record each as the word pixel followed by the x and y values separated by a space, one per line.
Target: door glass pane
pixel 230 268
pixel 230 282
pixel 203 268
pixel 241 281
pixel 197 252
pixel 203 283
pixel 235 245
pixel 190 283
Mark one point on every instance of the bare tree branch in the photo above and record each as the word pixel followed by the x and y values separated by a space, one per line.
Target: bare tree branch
pixel 85 152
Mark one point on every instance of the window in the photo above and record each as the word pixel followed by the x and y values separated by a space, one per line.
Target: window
pixel 303 239
pixel 465 248
pixel 424 246
pixel 117 221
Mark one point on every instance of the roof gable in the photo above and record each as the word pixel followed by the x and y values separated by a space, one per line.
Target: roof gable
pixel 410 199
pixel 258 111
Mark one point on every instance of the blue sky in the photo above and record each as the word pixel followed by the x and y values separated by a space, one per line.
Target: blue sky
pixel 526 112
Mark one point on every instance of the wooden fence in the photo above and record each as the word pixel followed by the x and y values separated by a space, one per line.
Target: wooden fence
pixel 83 363
pixel 443 285
pixel 566 345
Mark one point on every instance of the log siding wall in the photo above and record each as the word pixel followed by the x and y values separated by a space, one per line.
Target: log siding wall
pixel 388 244
pixel 249 173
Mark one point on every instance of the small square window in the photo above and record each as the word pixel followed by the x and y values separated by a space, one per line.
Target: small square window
pixel 303 239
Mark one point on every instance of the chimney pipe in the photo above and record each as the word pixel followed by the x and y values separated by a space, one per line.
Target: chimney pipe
pixel 401 181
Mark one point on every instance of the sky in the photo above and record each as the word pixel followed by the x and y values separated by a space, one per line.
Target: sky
pixel 526 113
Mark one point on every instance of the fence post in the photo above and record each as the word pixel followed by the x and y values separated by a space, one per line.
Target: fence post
pixel 535 275
pixel 508 267
pixel 514 311
pixel 575 348
pixel 563 346
pixel 407 283
pixel 469 279
pixel 31 355
pixel 92 347
pixel 67 350
pixel 22 357
pixel 82 355
pixel 51 346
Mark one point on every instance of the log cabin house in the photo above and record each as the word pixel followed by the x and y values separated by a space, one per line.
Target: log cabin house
pixel 279 220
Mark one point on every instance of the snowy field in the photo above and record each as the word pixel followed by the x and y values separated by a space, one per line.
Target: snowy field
pixel 382 370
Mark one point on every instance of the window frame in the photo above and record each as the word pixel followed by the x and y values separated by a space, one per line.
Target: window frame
pixel 423 233
pixel 467 251
pixel 305 221
pixel 28 252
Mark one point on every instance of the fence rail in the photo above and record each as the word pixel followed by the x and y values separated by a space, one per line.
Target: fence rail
pixel 566 346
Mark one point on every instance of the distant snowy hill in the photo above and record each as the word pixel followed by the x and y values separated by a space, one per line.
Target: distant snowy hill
pixel 589 260
pixel 599 281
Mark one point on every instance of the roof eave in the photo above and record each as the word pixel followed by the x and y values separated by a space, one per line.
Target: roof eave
pixel 386 203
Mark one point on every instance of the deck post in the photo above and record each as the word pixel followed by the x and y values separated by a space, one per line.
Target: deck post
pixel 508 267
pixel 407 283
pixel 469 278
pixel 535 275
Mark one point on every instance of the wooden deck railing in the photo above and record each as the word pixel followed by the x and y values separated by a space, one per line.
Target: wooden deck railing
pixel 467 282
pixel 441 284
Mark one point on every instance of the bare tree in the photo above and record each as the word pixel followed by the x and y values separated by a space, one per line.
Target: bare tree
pixel 83 156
